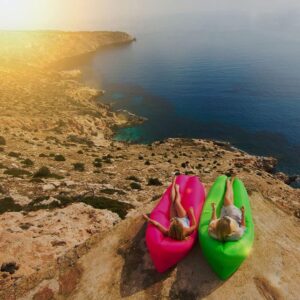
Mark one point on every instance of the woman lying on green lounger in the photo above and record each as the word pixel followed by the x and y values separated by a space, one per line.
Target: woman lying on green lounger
pixel 231 225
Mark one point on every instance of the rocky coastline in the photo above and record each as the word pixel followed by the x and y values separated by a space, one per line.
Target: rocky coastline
pixel 67 188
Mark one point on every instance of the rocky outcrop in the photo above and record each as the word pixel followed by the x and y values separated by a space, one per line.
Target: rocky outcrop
pixel 288 179
pixel 134 276
pixel 266 163
pixel 124 118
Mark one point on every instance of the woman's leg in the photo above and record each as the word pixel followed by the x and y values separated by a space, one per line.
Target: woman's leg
pixel 173 198
pixel 181 213
pixel 228 199
pixel 173 190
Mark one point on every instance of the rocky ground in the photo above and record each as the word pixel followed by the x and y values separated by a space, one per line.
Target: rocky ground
pixel 71 197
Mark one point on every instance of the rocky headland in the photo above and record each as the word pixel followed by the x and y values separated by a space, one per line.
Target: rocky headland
pixel 71 196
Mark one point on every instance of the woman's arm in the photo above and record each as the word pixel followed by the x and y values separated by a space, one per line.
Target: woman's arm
pixel 163 229
pixel 213 215
pixel 243 222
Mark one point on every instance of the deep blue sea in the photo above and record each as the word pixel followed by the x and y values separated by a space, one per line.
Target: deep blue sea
pixel 235 83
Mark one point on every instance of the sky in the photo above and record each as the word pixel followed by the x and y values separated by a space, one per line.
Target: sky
pixel 124 14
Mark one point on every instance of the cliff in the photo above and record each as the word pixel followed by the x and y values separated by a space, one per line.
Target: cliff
pixel 40 48
pixel 71 197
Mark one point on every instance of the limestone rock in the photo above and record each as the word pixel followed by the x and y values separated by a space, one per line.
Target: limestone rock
pixel 48 187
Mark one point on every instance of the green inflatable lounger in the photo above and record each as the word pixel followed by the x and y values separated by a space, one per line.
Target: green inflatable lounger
pixel 225 257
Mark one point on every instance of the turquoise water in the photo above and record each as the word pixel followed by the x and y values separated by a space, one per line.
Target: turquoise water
pixel 235 83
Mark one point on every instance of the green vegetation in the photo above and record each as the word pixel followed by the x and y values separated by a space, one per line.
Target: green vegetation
pixel 59 157
pixel 8 204
pixel 79 167
pixel 98 202
pixel 118 207
pixel 14 154
pixel 16 172
pixel 44 172
pixel 154 181
pixel 37 204
pixel 97 163
pixel 25 226
pixel 184 164
pixel 107 159
pixel 135 186
pixel 27 162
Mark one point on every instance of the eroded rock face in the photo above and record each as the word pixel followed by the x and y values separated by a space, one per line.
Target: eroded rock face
pixel 39 237
pixel 267 163
pixel 135 277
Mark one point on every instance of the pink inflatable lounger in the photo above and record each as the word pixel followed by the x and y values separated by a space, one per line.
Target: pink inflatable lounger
pixel 164 251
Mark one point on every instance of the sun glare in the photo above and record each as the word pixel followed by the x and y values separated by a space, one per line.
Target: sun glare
pixel 48 14
pixel 18 14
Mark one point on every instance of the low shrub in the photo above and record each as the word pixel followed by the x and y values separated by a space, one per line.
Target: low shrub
pixel 59 157
pixel 107 159
pixel 135 186
pixel 14 154
pixel 97 163
pixel 8 204
pixel 16 172
pixel 154 181
pixel 42 172
pixel 79 167
pixel 27 162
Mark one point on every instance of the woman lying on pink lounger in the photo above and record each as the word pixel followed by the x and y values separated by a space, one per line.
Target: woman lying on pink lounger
pixel 182 224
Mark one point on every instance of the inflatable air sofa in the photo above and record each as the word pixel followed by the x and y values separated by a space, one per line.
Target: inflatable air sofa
pixel 164 251
pixel 225 258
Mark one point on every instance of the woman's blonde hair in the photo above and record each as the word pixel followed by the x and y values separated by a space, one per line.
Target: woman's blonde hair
pixel 223 228
pixel 176 230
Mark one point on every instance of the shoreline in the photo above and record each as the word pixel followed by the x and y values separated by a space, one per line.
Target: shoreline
pixel 65 184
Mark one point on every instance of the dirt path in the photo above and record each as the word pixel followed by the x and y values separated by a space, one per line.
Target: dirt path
pixel 120 267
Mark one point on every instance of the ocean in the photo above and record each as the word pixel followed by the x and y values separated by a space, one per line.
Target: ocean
pixel 234 83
